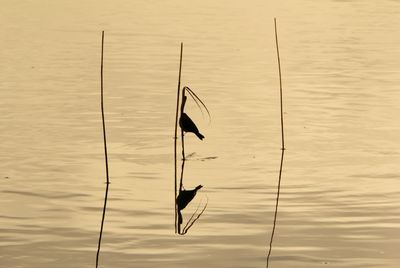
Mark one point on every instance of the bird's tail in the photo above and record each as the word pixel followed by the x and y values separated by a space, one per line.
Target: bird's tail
pixel 198 134
pixel 198 187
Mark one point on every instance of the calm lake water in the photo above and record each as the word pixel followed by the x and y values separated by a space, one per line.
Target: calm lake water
pixel 340 199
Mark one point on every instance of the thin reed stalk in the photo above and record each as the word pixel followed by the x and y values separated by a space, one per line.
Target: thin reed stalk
pixel 182 134
pixel 282 146
pixel 105 149
pixel 180 188
pixel 280 86
pixel 176 138
pixel 183 150
pixel 181 178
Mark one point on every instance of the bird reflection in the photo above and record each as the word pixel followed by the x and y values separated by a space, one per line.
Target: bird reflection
pixel 183 199
pixel 185 196
pixel 187 125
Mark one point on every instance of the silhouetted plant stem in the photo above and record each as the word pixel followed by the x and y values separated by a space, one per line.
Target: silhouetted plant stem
pixel 282 144
pixel 181 178
pixel 183 150
pixel 182 134
pixel 280 85
pixel 105 149
pixel 180 188
pixel 176 137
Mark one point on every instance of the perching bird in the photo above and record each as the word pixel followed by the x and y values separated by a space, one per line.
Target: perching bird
pixel 185 196
pixel 188 125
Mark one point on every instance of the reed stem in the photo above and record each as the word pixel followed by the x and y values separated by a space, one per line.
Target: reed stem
pixel 105 149
pixel 280 85
pixel 180 187
pixel 176 137
pixel 183 150
pixel 282 147
pixel 181 179
pixel 183 139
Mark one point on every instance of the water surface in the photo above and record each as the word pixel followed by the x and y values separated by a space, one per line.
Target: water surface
pixel 340 191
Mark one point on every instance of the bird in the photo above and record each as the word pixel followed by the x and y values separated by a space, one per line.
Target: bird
pixel 185 196
pixel 188 125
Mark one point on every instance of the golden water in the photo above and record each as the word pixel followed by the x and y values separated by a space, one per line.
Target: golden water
pixel 340 195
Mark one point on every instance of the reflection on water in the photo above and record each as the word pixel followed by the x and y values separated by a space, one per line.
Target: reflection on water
pixel 183 199
pixel 340 198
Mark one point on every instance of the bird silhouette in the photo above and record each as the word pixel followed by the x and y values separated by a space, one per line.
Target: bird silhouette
pixel 188 125
pixel 184 198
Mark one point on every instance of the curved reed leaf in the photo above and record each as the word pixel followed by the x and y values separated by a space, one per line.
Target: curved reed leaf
pixel 196 100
